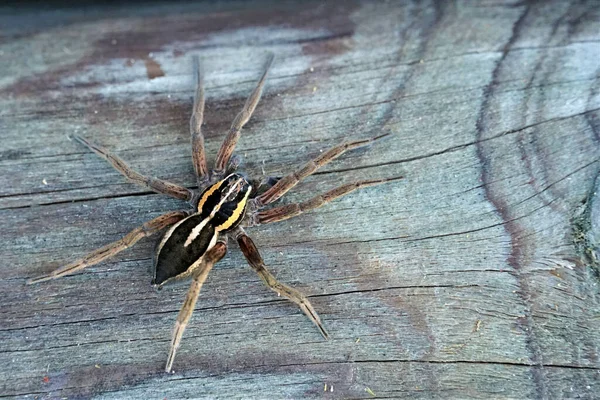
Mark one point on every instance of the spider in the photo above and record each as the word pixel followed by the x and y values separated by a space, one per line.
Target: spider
pixel 224 203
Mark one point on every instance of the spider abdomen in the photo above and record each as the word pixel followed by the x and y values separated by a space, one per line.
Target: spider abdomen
pixel 182 246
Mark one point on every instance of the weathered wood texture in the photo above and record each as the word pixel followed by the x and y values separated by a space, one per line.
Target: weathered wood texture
pixel 460 281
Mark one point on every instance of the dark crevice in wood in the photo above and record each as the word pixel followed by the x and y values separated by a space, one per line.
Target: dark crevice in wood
pixel 504 363
pixel 376 65
pixel 461 271
pixel 394 100
pixel 86 199
pixel 5 396
pixel 45 159
pixel 393 288
pixel 79 343
pixel 548 186
pixel 500 206
pixel 234 305
pixel 403 238
pixel 477 142
pixel 8 196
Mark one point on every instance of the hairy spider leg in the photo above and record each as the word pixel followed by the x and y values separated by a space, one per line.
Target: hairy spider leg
pixel 101 254
pixel 212 256
pixel 198 152
pixel 256 262
pixel 289 181
pixel 238 123
pixel 148 182
pixel 294 209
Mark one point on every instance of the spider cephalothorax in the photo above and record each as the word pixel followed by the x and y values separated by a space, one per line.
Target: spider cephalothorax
pixel 224 204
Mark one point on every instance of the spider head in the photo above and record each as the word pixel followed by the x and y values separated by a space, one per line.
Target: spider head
pixel 228 191
pixel 231 199
pixel 234 186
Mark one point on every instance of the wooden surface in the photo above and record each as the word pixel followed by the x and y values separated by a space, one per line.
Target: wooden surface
pixel 473 277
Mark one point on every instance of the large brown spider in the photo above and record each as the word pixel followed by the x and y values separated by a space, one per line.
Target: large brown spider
pixel 224 204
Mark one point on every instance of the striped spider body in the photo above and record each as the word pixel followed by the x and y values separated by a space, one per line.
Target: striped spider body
pixel 224 203
pixel 220 209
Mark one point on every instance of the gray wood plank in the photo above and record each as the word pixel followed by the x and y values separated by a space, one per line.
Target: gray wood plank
pixel 473 277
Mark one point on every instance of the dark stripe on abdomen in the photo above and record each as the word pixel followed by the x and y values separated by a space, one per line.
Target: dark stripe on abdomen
pixel 174 258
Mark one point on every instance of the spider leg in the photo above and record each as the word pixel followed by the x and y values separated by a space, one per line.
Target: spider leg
pixel 256 262
pixel 291 210
pixel 198 153
pixel 238 123
pixel 113 248
pixel 259 186
pixel 155 184
pixel 291 180
pixel 199 275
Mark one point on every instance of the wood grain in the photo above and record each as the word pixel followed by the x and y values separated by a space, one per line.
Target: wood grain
pixel 469 278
